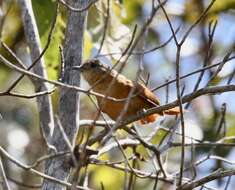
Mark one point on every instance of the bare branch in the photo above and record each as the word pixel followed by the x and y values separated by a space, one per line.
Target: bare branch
pixel 33 40
pixel 213 176
pixel 40 174
pixel 4 182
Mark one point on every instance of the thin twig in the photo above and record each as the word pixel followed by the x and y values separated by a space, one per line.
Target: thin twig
pixel 40 174
pixel 192 73
pixel 4 182
pixel 213 176
pixel 106 21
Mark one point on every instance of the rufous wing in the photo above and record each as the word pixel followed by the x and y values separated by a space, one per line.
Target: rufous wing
pixel 150 97
pixel 147 95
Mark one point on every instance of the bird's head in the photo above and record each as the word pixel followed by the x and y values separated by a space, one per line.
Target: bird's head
pixel 92 70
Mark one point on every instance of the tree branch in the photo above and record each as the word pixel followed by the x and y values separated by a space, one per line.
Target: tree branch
pixel 33 40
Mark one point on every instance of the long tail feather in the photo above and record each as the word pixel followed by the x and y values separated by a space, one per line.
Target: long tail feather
pixel 172 111
pixel 149 119
pixel 153 117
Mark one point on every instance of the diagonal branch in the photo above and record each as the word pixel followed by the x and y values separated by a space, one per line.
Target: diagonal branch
pixel 33 40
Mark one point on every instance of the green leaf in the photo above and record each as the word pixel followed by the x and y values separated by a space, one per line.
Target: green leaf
pixel 222 6
pixel 44 11
pixel 132 10
pixel 12 25
pixel 109 177
pixel 88 45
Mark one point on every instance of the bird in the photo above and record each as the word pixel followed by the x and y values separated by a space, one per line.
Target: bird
pixel 99 76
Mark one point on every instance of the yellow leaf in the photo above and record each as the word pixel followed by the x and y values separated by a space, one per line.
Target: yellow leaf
pixel 12 25
pixel 87 45
pixel 110 178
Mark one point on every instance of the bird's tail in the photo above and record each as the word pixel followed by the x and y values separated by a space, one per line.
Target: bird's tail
pixel 172 111
pixel 153 117
pixel 149 119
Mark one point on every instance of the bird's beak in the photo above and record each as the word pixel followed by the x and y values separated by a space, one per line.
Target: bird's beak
pixel 79 68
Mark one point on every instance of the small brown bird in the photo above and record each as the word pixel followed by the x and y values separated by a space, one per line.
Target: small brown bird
pixel 100 77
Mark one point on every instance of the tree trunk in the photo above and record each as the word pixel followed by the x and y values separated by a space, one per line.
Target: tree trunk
pixel 69 99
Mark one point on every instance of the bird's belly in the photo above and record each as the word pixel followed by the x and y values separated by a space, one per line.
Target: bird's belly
pixel 113 108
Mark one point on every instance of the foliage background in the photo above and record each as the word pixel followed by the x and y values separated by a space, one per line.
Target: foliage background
pixel 19 128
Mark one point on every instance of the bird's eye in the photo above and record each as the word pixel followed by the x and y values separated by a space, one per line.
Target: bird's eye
pixel 93 65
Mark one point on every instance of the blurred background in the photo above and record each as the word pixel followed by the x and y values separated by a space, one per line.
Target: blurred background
pixel 19 123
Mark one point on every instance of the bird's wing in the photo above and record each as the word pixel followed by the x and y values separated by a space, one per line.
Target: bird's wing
pixel 147 94
pixel 141 90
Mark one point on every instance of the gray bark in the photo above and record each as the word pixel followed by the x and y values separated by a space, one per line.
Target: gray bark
pixel 3 179
pixel 33 41
pixel 69 99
